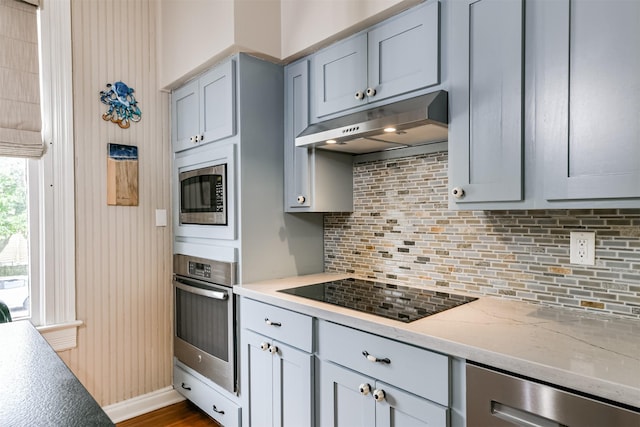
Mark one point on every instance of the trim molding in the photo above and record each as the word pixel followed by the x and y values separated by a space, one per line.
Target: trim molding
pixel 58 303
pixel 62 336
pixel 142 404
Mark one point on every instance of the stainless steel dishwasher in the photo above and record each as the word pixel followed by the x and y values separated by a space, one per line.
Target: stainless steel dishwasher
pixel 496 399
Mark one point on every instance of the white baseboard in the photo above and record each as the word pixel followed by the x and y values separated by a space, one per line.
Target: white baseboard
pixel 142 404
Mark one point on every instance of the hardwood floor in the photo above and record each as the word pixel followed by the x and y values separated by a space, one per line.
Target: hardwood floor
pixel 183 414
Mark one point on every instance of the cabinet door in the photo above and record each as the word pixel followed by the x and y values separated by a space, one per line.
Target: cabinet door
pixel 341 403
pixel 217 103
pixel 292 387
pixel 402 409
pixel 315 180
pixel 590 98
pixel 486 126
pixel 278 385
pixel 339 72
pixel 297 159
pixel 184 113
pixel 404 53
pixel 257 380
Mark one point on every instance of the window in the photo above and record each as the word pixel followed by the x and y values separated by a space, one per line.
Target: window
pixel 46 184
pixel 14 237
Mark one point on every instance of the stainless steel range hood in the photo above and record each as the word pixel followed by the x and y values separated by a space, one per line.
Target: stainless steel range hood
pixel 415 121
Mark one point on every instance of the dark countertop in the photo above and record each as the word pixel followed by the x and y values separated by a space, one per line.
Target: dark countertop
pixel 37 388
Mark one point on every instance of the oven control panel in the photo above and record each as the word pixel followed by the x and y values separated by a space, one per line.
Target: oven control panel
pixel 206 270
pixel 200 269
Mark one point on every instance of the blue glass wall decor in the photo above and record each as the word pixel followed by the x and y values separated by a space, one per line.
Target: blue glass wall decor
pixel 123 107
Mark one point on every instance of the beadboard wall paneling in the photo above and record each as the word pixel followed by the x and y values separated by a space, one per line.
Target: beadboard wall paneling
pixel 401 231
pixel 123 261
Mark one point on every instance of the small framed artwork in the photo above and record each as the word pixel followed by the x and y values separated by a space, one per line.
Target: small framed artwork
pixel 122 175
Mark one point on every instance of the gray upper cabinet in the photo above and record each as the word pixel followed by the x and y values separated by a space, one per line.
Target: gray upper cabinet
pixel 297 183
pixel 203 110
pixel 315 180
pixel 486 99
pixel 185 115
pixel 545 104
pixel 398 56
pixel 589 74
pixel 340 76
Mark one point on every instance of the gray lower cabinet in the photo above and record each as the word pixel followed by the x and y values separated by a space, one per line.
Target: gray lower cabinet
pixel 397 56
pixel 348 398
pixel 301 371
pixel 279 382
pixel 315 180
pixel 368 380
pixel 276 366
pixel 198 390
pixel 544 97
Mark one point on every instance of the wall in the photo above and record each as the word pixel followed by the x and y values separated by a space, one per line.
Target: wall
pixel 123 261
pixel 308 25
pixel 197 34
pixel 401 231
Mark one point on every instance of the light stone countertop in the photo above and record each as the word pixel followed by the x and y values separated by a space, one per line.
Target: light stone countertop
pixel 594 354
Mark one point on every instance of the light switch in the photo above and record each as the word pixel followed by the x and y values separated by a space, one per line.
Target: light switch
pixel 161 217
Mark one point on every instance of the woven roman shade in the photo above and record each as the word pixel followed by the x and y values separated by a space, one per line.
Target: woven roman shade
pixel 20 122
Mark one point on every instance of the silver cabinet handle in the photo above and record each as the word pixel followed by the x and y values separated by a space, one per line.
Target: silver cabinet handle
pixel 371 92
pixel 272 323
pixel 301 199
pixel 359 95
pixel 372 358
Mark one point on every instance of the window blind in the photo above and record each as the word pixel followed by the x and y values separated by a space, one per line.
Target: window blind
pixel 20 122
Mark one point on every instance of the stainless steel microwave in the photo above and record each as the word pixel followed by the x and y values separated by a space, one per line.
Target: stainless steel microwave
pixel 203 196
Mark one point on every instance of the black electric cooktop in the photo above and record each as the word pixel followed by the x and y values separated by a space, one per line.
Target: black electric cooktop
pixel 382 299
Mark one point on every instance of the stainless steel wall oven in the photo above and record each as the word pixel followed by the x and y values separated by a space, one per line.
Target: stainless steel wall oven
pixel 204 330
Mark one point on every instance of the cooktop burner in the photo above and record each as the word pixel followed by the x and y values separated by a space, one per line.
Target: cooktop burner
pixel 391 301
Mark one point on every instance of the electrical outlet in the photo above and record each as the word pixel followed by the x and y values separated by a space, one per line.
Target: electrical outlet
pixel 583 248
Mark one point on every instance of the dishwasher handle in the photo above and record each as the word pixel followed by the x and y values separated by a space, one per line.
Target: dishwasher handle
pixel 520 417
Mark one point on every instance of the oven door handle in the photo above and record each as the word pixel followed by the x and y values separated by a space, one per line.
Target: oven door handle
pixel 221 295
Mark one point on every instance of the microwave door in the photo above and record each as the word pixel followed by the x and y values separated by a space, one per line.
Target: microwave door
pixel 203 196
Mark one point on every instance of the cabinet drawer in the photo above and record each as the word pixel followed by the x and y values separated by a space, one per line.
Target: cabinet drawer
pixel 209 400
pixel 282 325
pixel 414 369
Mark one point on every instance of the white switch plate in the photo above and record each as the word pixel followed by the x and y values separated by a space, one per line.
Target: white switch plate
pixel 583 248
pixel 161 217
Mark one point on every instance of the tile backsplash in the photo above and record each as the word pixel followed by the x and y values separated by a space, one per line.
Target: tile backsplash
pixel 401 231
